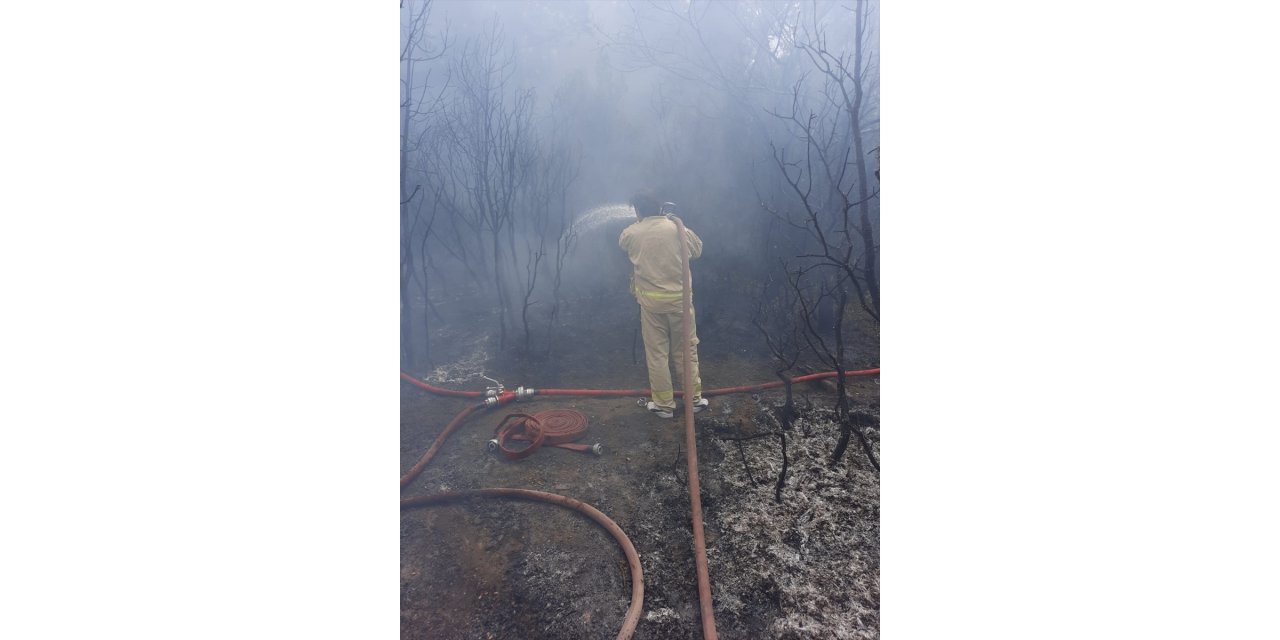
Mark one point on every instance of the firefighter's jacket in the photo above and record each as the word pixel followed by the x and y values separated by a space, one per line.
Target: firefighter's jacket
pixel 657 276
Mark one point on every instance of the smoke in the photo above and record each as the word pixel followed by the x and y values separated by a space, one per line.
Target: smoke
pixel 529 122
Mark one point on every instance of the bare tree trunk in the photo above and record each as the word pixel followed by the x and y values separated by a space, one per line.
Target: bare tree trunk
pixel 415 48
pixel 847 426
pixel 782 475
pixel 502 295
pixel 788 414
pixel 406 242
pixel 533 263
pixel 871 262
pixel 842 402
pixel 426 315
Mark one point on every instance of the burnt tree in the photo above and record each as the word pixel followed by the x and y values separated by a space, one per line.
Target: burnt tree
pixel 416 48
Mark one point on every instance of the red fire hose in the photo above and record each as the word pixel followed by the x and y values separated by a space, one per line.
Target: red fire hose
pixel 691 444
pixel 551 428
pixel 439 390
pixel 751 388
pixel 613 393
pixel 435 446
pixel 633 559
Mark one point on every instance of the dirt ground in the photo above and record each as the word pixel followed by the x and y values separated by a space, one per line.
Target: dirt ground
pixel 807 567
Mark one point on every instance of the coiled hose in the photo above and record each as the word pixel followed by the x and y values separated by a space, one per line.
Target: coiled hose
pixel 550 428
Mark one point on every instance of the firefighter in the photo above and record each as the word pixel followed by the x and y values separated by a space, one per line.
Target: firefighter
pixel 656 281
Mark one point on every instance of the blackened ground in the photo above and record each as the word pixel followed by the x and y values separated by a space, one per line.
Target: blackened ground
pixel 807 567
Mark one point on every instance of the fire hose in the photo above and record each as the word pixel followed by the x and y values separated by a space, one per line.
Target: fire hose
pixel 614 393
pixel 690 442
pixel 551 428
pixel 633 559
pixel 435 446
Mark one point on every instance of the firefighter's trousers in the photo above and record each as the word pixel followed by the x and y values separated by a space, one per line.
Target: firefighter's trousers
pixel 664 346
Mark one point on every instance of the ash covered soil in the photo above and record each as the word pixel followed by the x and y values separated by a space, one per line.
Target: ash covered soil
pixel 805 567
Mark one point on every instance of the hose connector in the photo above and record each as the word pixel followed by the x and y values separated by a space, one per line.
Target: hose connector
pixel 523 394
pixel 597 449
pixel 500 399
pixel 492 445
pixel 495 390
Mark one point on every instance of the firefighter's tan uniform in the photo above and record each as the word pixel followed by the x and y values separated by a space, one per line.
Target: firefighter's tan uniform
pixel 656 281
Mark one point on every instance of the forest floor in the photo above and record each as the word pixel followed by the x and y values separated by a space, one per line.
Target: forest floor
pixel 805 567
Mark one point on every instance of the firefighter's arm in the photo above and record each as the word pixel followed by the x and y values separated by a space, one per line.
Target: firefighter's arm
pixel 695 243
pixel 624 242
